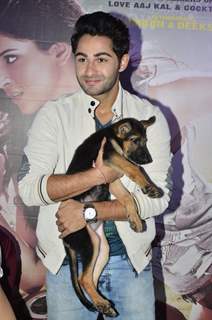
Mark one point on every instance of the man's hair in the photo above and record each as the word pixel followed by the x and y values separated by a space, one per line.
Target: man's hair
pixel 43 21
pixel 102 24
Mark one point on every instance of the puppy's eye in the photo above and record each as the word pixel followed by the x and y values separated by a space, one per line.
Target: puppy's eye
pixel 134 139
pixel 143 141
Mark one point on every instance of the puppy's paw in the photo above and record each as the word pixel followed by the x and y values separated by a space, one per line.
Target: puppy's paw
pixel 152 191
pixel 105 307
pixel 136 223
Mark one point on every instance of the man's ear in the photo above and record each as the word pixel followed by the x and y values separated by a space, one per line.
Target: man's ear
pixel 124 62
pixel 61 51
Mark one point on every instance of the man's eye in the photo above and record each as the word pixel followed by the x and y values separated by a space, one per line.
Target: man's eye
pixel 10 59
pixel 102 60
pixel 81 60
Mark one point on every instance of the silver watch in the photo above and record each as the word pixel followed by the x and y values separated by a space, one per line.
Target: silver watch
pixel 89 213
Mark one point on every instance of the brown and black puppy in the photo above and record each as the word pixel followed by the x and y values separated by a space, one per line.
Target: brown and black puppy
pixel 125 150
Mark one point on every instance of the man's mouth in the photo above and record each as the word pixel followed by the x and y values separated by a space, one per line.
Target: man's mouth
pixel 92 82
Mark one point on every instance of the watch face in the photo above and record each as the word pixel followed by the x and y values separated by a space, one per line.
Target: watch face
pixel 90 213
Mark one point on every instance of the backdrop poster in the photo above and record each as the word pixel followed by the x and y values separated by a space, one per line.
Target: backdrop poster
pixel 171 64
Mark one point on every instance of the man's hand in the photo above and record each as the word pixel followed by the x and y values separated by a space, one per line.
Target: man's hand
pixel 69 217
pixel 108 173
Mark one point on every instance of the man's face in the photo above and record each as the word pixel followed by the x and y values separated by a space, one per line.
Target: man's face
pixel 27 75
pixel 97 66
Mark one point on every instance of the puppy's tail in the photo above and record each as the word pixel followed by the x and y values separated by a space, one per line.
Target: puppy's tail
pixel 74 277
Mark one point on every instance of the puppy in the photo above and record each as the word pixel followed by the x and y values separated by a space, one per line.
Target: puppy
pixel 125 150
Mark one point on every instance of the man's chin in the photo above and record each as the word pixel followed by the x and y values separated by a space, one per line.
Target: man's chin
pixel 91 91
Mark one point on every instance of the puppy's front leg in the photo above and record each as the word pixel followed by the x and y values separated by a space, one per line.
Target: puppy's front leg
pixel 123 196
pixel 136 174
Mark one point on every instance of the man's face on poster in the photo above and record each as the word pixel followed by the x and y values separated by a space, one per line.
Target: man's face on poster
pixel 28 75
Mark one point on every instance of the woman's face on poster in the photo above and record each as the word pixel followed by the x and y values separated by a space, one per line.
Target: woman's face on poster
pixel 28 75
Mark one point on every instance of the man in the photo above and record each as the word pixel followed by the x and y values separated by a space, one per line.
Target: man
pixel 100 45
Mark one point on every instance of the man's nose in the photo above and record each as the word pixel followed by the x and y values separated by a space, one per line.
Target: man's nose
pixel 90 69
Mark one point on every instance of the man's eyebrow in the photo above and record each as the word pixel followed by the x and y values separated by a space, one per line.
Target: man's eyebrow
pixel 102 54
pixel 95 55
pixel 80 54
pixel 6 51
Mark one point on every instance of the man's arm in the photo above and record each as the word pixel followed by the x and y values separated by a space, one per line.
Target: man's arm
pixel 106 210
pixel 63 187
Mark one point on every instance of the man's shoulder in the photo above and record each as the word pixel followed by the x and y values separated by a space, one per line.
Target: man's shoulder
pixel 51 111
pixel 64 99
pixel 142 105
pixel 59 105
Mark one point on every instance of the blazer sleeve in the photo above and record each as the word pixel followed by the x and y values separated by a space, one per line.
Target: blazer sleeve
pixel 39 159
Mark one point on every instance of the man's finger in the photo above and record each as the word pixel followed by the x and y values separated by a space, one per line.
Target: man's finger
pixel 57 215
pixel 58 223
pixel 61 228
pixel 103 143
pixel 67 232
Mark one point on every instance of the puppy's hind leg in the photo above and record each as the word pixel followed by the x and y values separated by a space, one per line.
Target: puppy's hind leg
pixel 103 256
pixel 87 281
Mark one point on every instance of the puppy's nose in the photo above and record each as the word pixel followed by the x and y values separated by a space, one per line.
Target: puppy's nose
pixel 147 158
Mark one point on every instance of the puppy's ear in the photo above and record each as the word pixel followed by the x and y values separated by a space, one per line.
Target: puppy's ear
pixel 149 122
pixel 61 51
pixel 123 129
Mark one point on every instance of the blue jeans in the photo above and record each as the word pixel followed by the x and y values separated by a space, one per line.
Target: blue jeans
pixel 132 294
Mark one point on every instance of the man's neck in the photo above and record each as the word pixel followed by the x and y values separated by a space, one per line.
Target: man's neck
pixel 104 110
